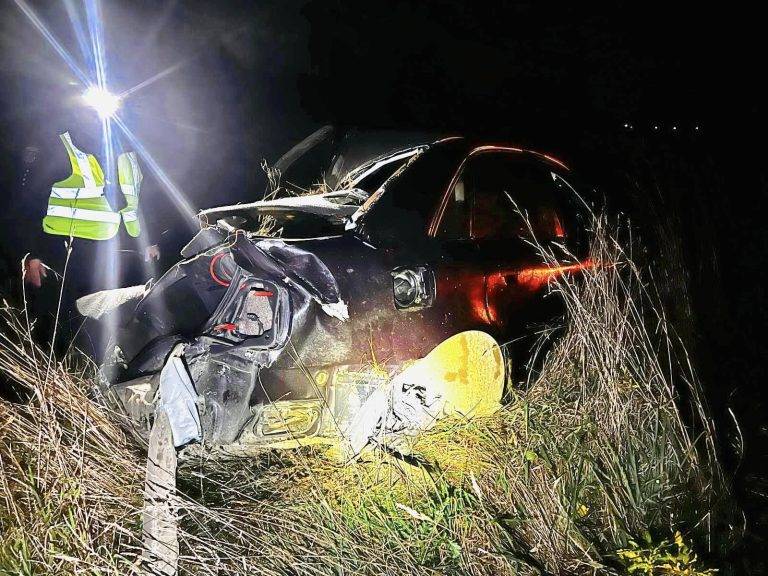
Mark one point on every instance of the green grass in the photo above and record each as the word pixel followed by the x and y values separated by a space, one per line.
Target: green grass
pixel 589 468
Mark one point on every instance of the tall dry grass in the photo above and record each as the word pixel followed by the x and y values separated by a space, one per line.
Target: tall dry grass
pixel 608 448
pixel 70 478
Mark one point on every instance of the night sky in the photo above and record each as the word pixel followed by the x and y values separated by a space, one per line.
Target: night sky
pixel 520 70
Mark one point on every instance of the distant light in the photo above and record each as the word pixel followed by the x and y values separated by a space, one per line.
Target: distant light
pixel 674 127
pixel 655 126
pixel 103 101
pixel 696 128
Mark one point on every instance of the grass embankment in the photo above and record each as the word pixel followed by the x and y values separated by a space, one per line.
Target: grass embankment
pixel 588 469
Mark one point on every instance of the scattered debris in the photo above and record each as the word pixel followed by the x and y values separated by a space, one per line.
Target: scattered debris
pixel 463 376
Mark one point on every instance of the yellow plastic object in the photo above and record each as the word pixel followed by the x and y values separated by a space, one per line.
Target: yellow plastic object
pixel 463 375
pixel 466 372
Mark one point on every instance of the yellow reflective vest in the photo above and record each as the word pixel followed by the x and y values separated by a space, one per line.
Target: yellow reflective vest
pixel 78 206
pixel 130 177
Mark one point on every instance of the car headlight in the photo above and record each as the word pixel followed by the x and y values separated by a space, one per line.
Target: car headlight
pixel 413 288
pixel 405 287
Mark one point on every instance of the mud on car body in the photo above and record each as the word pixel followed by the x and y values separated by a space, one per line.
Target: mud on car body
pixel 285 336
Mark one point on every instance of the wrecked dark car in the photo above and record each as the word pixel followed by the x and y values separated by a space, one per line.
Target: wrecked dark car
pixel 291 312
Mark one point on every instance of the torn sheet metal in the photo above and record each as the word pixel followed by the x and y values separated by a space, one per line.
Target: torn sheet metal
pixel 301 268
pixel 337 310
pixel 178 400
pixel 337 204
pixel 304 268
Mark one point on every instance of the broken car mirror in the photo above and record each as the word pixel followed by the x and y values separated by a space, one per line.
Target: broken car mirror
pixel 413 288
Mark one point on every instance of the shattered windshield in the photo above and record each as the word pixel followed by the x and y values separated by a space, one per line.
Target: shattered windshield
pixel 304 167
pixel 294 213
pixel 334 158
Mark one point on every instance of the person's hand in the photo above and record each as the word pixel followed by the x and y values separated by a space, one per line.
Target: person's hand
pixel 34 272
pixel 152 253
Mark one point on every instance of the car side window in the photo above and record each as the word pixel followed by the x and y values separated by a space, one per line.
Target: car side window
pixel 504 188
pixel 454 224
pixel 374 180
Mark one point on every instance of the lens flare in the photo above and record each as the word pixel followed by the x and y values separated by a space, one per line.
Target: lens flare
pixel 103 101
pixel 51 39
pixel 176 195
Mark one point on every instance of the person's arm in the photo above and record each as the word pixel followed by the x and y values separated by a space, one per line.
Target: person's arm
pixel 37 252
pixel 41 252
pixel 151 220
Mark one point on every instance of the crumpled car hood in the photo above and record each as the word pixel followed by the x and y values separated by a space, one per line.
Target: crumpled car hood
pixel 336 205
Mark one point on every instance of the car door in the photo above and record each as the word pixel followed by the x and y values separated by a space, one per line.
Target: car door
pixel 460 271
pixel 514 205
pixel 438 284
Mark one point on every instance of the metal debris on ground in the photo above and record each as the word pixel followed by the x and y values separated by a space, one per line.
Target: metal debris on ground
pixel 462 376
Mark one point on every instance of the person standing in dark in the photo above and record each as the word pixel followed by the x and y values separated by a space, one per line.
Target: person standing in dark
pixel 83 266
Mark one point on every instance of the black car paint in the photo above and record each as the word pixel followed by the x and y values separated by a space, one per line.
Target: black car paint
pixel 238 376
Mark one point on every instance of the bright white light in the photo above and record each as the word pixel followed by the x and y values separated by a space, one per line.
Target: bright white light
pixel 104 102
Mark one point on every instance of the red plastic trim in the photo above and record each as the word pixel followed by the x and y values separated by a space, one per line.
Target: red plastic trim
pixel 212 272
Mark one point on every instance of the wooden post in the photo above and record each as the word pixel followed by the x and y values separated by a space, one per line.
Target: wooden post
pixel 160 529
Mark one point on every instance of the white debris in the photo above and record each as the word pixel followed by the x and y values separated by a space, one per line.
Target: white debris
pixel 463 376
pixel 178 401
pixel 99 303
pixel 160 514
pixel 336 310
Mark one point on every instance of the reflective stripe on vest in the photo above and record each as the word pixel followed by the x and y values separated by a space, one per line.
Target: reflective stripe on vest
pixel 77 206
pixel 72 193
pixel 83 214
pixel 129 216
pixel 129 175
